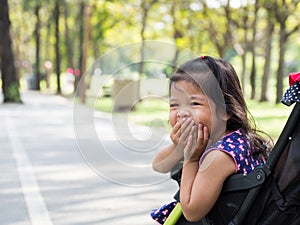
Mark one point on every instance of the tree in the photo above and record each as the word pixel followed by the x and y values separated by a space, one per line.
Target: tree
pixel 35 6
pixel 37 41
pixel 10 85
pixel 68 39
pixel 283 10
pixel 86 41
pixel 253 51
pixel 80 19
pixel 221 35
pixel 47 49
pixel 145 7
pixel 177 34
pixel 243 23
pixel 57 43
pixel 269 6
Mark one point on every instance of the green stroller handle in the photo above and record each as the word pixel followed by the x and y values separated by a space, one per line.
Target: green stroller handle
pixel 174 215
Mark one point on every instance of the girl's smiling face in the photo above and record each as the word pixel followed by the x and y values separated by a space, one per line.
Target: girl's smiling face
pixel 188 101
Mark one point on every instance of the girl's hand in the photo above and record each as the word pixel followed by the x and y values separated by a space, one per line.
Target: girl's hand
pixel 175 133
pixel 196 143
pixel 185 130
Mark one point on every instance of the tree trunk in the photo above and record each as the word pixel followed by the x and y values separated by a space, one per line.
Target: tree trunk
pixel 266 74
pixel 37 47
pixel 176 35
pixel 80 18
pixel 253 69
pixel 243 73
pixel 57 42
pixel 228 39
pixel 69 44
pixel 224 43
pixel 253 77
pixel 10 86
pixel 145 8
pixel 85 45
pixel 244 25
pixel 280 71
pixel 47 52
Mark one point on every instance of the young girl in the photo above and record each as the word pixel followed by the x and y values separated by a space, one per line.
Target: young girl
pixel 211 134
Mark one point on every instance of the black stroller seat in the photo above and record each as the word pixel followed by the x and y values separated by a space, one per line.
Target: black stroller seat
pixel 270 195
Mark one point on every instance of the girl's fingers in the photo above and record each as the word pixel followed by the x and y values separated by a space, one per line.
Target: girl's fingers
pixel 185 132
pixel 175 133
pixel 176 127
pixel 177 130
pixel 186 128
pixel 200 132
pixel 194 134
pixel 185 122
pixel 188 147
pixel 199 140
pixel 205 135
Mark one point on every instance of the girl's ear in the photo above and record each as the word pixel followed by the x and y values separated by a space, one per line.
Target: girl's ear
pixel 226 117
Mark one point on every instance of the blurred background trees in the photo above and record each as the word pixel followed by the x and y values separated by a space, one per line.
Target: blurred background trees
pixel 57 37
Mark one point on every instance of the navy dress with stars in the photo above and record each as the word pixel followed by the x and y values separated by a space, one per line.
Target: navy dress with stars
pixel 237 145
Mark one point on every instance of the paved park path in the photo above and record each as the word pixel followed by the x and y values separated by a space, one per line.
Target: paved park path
pixel 48 176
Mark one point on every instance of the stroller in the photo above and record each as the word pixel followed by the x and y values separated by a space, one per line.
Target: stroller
pixel 270 195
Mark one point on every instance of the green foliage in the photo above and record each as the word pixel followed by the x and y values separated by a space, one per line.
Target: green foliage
pixel 204 27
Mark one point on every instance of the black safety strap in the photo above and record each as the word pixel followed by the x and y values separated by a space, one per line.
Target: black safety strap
pixel 279 199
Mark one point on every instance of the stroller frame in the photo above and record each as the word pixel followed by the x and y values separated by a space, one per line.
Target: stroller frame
pixel 256 180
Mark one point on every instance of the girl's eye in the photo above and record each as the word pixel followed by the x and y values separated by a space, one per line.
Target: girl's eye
pixel 195 103
pixel 174 105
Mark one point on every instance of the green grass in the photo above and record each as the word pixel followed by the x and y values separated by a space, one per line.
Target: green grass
pixel 269 117
pixel 149 112
pixel 103 104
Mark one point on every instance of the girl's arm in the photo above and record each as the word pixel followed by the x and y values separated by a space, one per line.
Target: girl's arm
pixel 166 159
pixel 201 185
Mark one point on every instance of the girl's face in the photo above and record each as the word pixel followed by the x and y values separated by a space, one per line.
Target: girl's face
pixel 188 101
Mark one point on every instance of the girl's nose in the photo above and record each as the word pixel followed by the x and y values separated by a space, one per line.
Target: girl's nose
pixel 183 114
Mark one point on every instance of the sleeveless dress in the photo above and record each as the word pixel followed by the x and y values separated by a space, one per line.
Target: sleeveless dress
pixel 237 145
